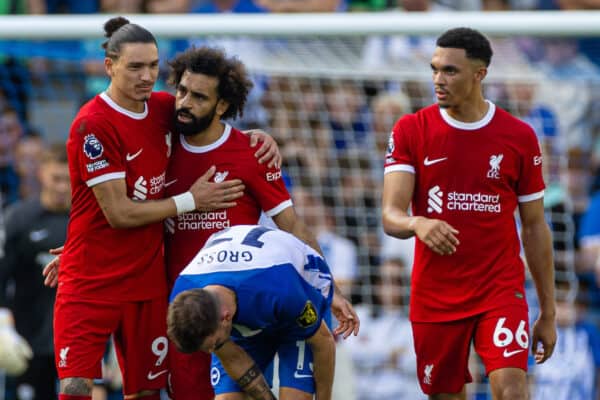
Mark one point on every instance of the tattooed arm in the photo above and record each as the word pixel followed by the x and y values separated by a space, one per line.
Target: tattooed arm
pixel 242 369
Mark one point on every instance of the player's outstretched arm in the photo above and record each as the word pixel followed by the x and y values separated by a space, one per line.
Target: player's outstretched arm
pixel 244 371
pixel 268 151
pixel 322 345
pixel 537 243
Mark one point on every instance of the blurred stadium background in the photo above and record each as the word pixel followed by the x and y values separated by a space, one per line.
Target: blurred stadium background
pixel 329 87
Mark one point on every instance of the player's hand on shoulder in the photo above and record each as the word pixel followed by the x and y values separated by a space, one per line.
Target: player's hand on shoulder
pixel 210 195
pixel 348 321
pixel 438 235
pixel 268 151
pixel 15 353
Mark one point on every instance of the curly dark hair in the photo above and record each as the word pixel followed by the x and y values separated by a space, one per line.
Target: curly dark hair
pixel 476 46
pixel 192 317
pixel 234 82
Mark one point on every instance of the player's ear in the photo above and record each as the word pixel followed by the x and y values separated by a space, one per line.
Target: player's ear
pixel 481 73
pixel 222 107
pixel 226 316
pixel 108 66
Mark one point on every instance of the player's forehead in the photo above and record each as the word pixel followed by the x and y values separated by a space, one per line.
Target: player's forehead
pixel 198 82
pixel 449 56
pixel 143 53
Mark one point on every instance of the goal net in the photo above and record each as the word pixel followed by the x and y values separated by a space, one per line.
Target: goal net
pixel 331 100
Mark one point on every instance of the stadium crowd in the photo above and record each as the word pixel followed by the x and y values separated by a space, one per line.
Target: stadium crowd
pixel 333 132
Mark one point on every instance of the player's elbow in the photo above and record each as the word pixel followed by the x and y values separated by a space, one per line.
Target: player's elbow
pixel 118 220
pixel 391 229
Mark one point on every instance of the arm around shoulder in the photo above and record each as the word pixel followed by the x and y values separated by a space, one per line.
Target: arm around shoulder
pixel 122 212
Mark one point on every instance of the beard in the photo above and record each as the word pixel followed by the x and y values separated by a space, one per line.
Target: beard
pixel 197 124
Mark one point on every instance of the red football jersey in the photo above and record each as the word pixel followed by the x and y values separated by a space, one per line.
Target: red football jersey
pixel 471 175
pixel 234 159
pixel 108 142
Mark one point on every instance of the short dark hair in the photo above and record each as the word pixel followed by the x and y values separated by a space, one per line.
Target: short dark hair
pixel 475 44
pixel 119 31
pixel 234 82
pixel 192 316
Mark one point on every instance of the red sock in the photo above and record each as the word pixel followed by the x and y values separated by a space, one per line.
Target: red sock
pixel 62 396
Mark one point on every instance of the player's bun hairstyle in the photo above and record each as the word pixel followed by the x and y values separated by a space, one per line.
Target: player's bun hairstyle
pixel 119 31
pixel 192 316
pixel 476 45
pixel 234 82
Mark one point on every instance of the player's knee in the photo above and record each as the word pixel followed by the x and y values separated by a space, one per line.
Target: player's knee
pixel 76 386
pixel 512 392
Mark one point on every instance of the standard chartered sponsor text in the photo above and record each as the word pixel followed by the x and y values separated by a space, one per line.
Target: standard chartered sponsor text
pixel 216 220
pixel 479 202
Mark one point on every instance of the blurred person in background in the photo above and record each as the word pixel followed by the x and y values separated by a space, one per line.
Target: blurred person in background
pixel 28 155
pixel 11 131
pixel 573 372
pixel 383 354
pixel 33 226
pixel 386 108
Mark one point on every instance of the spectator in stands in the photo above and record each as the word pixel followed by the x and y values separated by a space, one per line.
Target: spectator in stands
pixel 339 252
pixel 386 108
pixel 402 50
pixel 28 153
pixel 383 354
pixel 371 5
pixel 32 227
pixel 167 6
pixel 233 6
pixel 11 131
pixel 573 372
pixel 348 114
pixel 284 6
pixel 589 230
pixel 64 6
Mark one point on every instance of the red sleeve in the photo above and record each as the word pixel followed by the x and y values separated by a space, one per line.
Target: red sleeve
pixel 531 181
pixel 268 188
pixel 399 156
pixel 97 149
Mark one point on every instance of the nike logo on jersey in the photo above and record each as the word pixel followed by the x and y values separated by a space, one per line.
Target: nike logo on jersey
pixel 130 157
pixel 37 236
pixel 167 184
pixel 507 353
pixel 429 162
pixel 151 375
pixel 300 376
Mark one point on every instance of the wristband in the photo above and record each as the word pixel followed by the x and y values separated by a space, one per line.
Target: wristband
pixel 184 202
